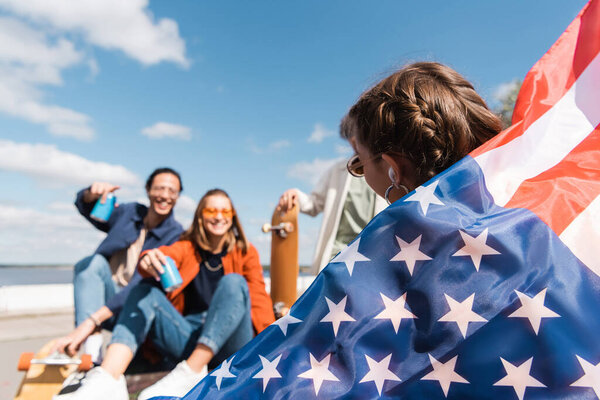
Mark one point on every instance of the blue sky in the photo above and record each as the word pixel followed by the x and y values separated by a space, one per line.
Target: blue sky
pixel 246 96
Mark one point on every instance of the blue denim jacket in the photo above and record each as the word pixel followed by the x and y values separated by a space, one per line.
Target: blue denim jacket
pixel 123 228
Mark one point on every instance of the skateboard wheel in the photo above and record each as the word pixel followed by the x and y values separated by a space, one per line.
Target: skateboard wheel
pixel 266 228
pixel 25 361
pixel 288 227
pixel 85 362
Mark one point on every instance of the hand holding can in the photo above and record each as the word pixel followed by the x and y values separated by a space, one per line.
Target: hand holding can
pixel 170 279
pixel 102 211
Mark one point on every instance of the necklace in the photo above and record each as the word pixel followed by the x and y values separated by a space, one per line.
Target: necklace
pixel 210 267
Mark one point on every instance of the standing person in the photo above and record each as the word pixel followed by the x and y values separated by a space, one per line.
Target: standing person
pixel 346 201
pixel 220 306
pixel 102 281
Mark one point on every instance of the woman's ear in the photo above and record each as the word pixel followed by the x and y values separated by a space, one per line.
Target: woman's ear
pixel 403 170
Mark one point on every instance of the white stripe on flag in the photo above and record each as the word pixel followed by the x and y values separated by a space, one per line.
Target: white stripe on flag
pixel 582 236
pixel 547 141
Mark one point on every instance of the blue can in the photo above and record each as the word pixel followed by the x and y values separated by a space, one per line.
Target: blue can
pixel 170 279
pixel 101 212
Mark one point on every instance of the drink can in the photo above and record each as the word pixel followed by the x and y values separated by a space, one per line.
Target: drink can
pixel 101 212
pixel 170 279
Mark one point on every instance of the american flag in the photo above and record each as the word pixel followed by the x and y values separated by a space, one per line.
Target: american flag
pixel 483 283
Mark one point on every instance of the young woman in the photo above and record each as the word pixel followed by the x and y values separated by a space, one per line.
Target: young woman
pixel 414 124
pixel 220 306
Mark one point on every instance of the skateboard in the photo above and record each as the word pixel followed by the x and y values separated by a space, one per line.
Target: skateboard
pixel 284 258
pixel 46 372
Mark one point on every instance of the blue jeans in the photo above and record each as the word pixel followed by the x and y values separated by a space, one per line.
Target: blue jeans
pixel 225 327
pixel 92 286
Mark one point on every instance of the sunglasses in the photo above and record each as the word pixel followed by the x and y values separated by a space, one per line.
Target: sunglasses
pixel 356 167
pixel 210 212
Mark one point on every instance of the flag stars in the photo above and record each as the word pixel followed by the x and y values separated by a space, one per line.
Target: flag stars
pixel 269 370
pixel 410 253
pixel 379 372
pixel 591 377
pixel 461 313
pixel 425 196
pixel 223 372
pixel 337 314
pixel 285 321
pixel 444 373
pixel 395 310
pixel 319 372
pixel 350 256
pixel 475 247
pixel 518 377
pixel 533 309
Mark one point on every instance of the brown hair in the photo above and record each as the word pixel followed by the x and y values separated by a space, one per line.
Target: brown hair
pixel 197 235
pixel 428 113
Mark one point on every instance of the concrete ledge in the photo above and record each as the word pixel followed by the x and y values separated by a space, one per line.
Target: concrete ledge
pixel 35 299
pixel 21 300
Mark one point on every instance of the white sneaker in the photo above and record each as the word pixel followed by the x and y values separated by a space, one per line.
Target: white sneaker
pixel 93 346
pixel 98 385
pixel 177 383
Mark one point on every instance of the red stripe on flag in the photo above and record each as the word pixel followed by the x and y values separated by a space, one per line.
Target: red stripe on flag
pixel 553 75
pixel 559 194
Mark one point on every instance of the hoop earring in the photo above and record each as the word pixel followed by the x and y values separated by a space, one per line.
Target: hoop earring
pixel 392 186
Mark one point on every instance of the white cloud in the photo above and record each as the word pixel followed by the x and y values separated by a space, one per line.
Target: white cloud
pixel 166 130
pixel 36 45
pixel 269 148
pixel 111 24
pixel 311 171
pixel 320 133
pixel 504 89
pixel 343 149
pixel 51 165
pixel 184 210
pixel 28 59
pixel 35 236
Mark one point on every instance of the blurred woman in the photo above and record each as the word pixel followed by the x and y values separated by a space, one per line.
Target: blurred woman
pixel 220 306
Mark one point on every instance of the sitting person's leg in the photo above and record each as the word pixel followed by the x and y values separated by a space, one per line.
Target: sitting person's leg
pixel 226 328
pixel 228 325
pixel 146 307
pixel 92 286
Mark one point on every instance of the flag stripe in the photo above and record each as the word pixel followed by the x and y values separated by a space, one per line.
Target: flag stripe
pixel 553 75
pixel 559 194
pixel 545 144
pixel 583 235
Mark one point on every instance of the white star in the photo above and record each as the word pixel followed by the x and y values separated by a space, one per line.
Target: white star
pixel 475 247
pixel 223 372
pixel 269 370
pixel 534 309
pixel 337 314
pixel 394 310
pixel 591 377
pixel 410 253
pixel 286 320
pixel 350 255
pixel 379 372
pixel 518 377
pixel 461 313
pixel 444 374
pixel 425 196
pixel 319 372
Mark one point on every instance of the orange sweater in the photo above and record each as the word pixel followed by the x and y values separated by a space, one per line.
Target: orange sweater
pixel 248 265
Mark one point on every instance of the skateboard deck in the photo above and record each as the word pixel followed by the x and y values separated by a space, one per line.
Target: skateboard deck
pixel 41 380
pixel 284 258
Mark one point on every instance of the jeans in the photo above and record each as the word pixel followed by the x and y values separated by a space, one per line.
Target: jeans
pixel 92 286
pixel 225 327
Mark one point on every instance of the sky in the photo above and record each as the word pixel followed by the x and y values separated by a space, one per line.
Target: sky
pixel 244 96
